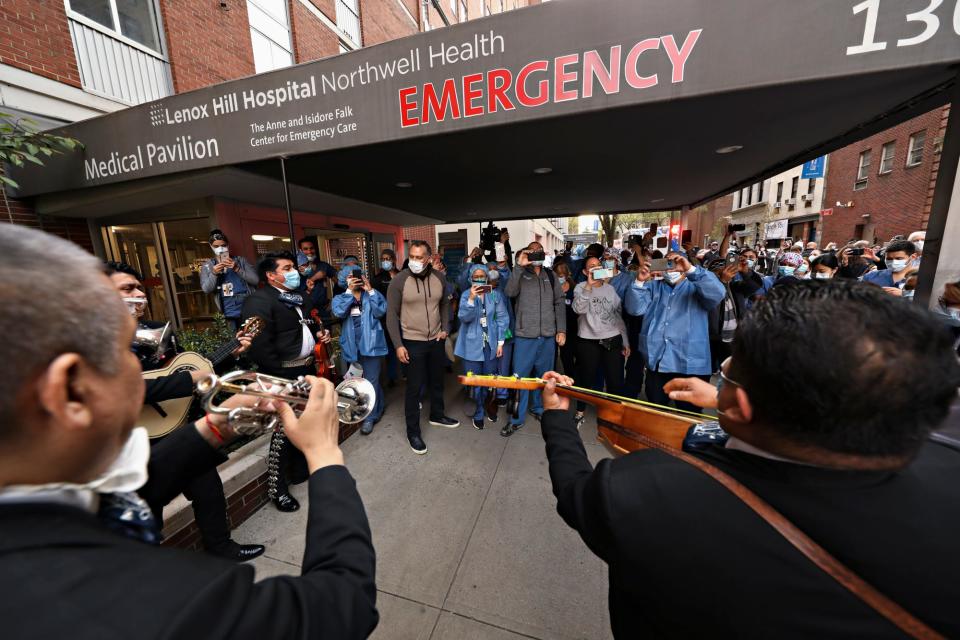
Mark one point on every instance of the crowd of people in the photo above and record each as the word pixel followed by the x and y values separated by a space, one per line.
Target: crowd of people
pixel 830 390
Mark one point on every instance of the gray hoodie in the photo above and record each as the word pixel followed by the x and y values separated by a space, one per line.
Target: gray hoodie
pixel 539 303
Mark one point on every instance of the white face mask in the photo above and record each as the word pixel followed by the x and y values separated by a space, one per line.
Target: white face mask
pixel 416 266
pixel 221 250
pixel 673 277
pixel 128 472
pixel 820 275
pixel 897 264
pixel 494 276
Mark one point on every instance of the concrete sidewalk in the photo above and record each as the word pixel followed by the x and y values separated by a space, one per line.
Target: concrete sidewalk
pixel 469 543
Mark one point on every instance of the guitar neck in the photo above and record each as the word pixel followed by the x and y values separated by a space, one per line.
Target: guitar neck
pixel 223 352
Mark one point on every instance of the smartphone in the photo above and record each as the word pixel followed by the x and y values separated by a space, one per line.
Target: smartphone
pixel 855 252
pixel 733 258
pixel 224 256
pixel 535 256
pixel 484 288
pixel 600 274
pixel 500 251
pixel 661 264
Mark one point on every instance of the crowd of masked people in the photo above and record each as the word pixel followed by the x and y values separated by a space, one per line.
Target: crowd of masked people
pixel 830 392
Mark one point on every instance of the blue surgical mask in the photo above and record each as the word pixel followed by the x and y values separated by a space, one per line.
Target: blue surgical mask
pixel 751 263
pixel 786 271
pixel 907 294
pixel 673 277
pixel 610 264
pixel 802 269
pixel 387 265
pixel 478 282
pixel 897 265
pixel 308 270
pixel 291 279
pixel 561 279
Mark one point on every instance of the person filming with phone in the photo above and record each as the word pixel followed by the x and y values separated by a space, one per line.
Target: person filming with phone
pixel 232 278
pixel 602 333
pixel 362 338
pixel 484 321
pixel 676 317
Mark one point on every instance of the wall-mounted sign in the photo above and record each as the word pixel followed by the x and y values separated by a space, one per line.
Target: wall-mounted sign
pixel 814 168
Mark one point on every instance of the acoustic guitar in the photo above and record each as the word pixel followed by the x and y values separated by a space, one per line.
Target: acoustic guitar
pixel 161 418
pixel 624 424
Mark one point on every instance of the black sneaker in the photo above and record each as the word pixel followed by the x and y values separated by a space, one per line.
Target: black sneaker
pixel 478 424
pixel 509 429
pixel 417 444
pixel 445 421
pixel 240 552
pixel 367 428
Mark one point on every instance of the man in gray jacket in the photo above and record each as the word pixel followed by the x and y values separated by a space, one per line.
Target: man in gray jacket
pixel 231 277
pixel 541 321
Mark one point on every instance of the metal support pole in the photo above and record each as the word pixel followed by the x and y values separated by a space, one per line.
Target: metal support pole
pixel 933 245
pixel 286 201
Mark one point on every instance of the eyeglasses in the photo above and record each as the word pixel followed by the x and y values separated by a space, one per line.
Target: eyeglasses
pixel 723 376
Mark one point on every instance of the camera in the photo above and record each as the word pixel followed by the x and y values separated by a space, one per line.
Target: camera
pixel 736 227
pixel 489 237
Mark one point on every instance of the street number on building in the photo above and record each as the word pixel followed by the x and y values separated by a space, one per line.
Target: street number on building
pixel 928 23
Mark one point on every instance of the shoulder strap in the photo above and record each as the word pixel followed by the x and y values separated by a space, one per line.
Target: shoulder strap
pixel 819 556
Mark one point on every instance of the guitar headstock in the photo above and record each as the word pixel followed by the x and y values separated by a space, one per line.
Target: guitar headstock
pixel 252 327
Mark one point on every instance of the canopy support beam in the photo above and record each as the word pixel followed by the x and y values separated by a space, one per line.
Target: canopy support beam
pixel 286 203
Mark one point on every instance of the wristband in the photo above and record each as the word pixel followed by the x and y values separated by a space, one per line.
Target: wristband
pixel 213 429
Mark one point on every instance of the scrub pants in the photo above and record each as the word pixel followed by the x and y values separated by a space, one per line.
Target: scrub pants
pixel 371 371
pixel 532 356
pixel 504 366
pixel 489 366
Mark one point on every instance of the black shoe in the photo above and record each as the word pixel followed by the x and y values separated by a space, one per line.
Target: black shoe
pixel 286 503
pixel 417 444
pixel 509 429
pixel 240 552
pixel 492 417
pixel 366 429
pixel 478 424
pixel 445 421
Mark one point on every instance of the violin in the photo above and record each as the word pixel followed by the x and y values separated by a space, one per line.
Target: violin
pixel 624 424
pixel 326 368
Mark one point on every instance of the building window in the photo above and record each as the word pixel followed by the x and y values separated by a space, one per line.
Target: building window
pixel 887 152
pixel 463 11
pixel 779 192
pixel 811 185
pixel 794 187
pixel 745 198
pixel 270 34
pixel 133 19
pixel 348 19
pixel 915 148
pixel 863 171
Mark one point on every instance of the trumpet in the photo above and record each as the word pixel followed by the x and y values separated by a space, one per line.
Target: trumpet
pixel 155 340
pixel 355 398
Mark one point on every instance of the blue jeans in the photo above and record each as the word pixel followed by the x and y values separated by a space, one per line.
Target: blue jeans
pixel 532 356
pixel 504 366
pixel 371 371
pixel 489 366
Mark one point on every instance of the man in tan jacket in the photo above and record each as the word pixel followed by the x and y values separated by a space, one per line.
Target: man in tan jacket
pixel 418 320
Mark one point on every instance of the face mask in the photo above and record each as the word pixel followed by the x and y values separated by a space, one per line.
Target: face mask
pixel 953 313
pixel 919 245
pixel 386 265
pixel 291 279
pixel 907 294
pixel 561 279
pixel 609 264
pixel 478 282
pixel 786 271
pixel 897 265
pixel 220 250
pixel 416 266
pixel 751 263
pixel 308 270
pixel 822 276
pixel 536 263
pixel 494 276
pixel 802 269
pixel 672 277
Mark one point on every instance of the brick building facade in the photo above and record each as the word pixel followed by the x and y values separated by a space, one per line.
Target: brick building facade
pixel 58 61
pixel 887 179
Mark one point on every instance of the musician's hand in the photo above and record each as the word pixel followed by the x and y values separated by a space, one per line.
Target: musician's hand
pixel 403 355
pixel 692 390
pixel 245 342
pixel 561 339
pixel 551 399
pixel 219 420
pixel 317 429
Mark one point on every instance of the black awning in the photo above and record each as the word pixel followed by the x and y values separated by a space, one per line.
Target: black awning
pixel 622 105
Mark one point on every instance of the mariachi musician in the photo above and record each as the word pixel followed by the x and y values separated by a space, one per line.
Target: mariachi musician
pixel 284 349
pixel 205 491
pixel 827 513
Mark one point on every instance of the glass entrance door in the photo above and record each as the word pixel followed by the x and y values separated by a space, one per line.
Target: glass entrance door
pixel 139 246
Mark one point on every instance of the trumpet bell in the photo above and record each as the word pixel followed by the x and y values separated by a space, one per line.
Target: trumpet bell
pixel 155 340
pixel 356 400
